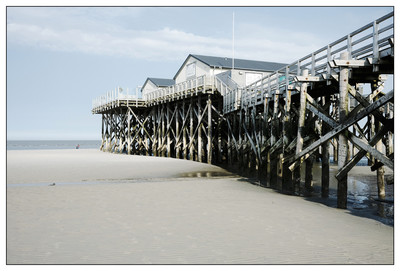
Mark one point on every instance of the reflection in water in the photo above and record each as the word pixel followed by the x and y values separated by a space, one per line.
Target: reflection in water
pixel 205 174
pixel 362 193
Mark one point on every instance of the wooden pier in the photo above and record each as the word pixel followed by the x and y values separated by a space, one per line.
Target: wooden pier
pixel 313 108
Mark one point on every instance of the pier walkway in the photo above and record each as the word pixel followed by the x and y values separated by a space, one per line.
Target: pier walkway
pixel 311 109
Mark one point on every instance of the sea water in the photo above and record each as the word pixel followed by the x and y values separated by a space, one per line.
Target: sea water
pixel 52 144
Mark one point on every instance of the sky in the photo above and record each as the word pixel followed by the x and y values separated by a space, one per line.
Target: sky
pixel 60 58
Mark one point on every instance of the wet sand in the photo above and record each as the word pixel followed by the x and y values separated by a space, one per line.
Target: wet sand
pixel 90 207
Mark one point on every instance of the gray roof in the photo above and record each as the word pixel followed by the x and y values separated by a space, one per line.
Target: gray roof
pixel 240 64
pixel 161 82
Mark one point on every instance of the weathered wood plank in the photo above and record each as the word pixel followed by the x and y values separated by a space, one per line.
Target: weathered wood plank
pixel 364 102
pixel 209 135
pixel 200 124
pixel 325 156
pixel 341 127
pixel 301 128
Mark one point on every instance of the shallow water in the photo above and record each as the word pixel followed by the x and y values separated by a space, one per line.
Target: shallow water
pixel 362 196
pixel 362 193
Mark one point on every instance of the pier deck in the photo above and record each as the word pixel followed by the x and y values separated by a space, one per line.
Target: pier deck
pixel 309 110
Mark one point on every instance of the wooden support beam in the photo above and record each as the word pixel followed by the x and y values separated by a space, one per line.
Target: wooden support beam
pixel 264 160
pixel 154 135
pixel 241 145
pixel 325 156
pixel 184 135
pixel 310 160
pixel 361 153
pixel 191 147
pixel 219 133
pixel 341 127
pixel 168 128
pixel 315 108
pixel 209 136
pixel 373 151
pixel 199 139
pixel 129 131
pixel 277 146
pixel 325 117
pixel 301 128
pixel 231 132
pixel 177 137
pixel 121 126
pixel 273 139
pixel 262 169
pixel 253 146
pixel 161 131
pixel 389 139
pixel 364 102
pixel 102 132
pixel 380 175
pixel 343 144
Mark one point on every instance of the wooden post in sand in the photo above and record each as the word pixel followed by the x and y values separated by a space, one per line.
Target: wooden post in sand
pixel 168 108
pixel 287 175
pixel 184 129
pixel 241 147
pixel 263 162
pixel 325 154
pixel 102 132
pixel 342 142
pixel 389 139
pixel 162 135
pixel 268 134
pixel 301 130
pixel 273 140
pixel 229 145
pixel 380 172
pixel 220 148
pixel 129 131
pixel 191 135
pixel 209 135
pixel 154 135
pixel 177 139
pixel 234 151
pixel 309 174
pixel 200 127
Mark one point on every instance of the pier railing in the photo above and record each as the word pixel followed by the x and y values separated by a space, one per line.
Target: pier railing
pixel 115 97
pixel 183 89
pixel 231 94
pixel 368 43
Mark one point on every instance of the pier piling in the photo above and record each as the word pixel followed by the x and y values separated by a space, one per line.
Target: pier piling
pixel 313 110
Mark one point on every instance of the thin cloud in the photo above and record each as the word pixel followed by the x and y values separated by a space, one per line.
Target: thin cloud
pixel 127 43
pixel 86 31
pixel 169 44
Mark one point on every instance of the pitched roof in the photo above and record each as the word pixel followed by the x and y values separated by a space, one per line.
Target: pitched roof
pixel 161 82
pixel 240 64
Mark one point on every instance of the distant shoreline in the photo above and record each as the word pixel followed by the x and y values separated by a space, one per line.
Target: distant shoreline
pixel 52 144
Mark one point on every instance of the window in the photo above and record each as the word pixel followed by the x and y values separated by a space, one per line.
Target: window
pixel 251 77
pixel 191 70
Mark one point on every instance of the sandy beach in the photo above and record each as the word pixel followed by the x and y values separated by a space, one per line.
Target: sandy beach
pixel 90 207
